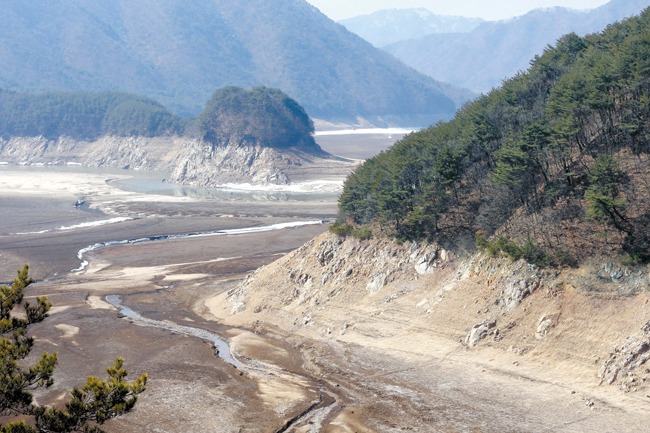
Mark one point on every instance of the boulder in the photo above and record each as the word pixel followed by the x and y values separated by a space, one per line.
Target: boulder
pixel 376 283
pixel 479 332
pixel 515 292
pixel 426 264
pixel 544 326
pixel 238 307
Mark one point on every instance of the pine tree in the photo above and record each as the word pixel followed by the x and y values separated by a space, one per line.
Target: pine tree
pixel 93 405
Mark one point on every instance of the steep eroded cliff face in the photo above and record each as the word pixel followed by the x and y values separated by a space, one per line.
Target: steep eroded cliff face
pixel 421 299
pixel 141 153
pixel 202 164
pixel 190 161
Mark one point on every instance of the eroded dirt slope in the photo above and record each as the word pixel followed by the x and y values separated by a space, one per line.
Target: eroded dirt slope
pixel 465 345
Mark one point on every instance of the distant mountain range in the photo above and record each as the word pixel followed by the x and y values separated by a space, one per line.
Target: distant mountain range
pixel 180 52
pixel 481 59
pixel 388 26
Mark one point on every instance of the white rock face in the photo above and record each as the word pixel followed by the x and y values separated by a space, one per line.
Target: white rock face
pixel 516 291
pixel 238 307
pixel 544 327
pixel 624 361
pixel 430 260
pixel 190 161
pixel 340 262
pixel 376 283
pixel 479 332
pixel 202 164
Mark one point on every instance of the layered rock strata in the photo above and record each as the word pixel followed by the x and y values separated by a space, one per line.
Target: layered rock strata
pixel 190 161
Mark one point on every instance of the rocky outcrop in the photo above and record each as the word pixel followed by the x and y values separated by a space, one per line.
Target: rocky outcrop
pixel 422 298
pixel 190 161
pixel 479 332
pixel 625 361
pixel 202 164
pixel 141 153
pixel 516 291
pixel 345 260
pixel 544 327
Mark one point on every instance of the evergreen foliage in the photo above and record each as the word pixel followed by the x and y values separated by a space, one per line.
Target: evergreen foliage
pixel 83 115
pixel 93 405
pixel 551 159
pixel 259 116
pixel 178 52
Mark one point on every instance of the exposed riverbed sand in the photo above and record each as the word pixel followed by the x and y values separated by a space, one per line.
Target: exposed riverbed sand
pixel 40 225
pixel 184 372
pixel 404 340
pixel 369 354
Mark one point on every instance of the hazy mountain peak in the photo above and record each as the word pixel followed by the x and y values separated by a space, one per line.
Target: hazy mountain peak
pixel 424 13
pixel 481 59
pixel 392 25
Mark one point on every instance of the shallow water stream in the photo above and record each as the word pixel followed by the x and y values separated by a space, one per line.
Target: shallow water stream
pixel 219 342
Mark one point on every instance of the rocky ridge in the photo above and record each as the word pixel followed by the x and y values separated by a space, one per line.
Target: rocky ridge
pixel 190 161
pixel 423 299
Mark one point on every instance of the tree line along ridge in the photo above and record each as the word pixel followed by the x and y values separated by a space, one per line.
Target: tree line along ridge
pixel 552 166
pixel 261 116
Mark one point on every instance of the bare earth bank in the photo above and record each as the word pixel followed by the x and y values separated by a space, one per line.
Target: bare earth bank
pixel 337 336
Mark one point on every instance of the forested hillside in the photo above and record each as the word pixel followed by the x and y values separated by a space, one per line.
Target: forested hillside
pixel 483 58
pixel 261 116
pixel 178 52
pixel 553 166
pixel 83 115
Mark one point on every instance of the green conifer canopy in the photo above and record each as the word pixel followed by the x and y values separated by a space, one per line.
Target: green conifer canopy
pixel 557 157
pixel 258 116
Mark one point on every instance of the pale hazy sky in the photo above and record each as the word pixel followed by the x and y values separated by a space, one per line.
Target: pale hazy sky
pixel 486 9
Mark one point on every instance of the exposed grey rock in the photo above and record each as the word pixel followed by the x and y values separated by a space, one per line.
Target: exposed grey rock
pixel 190 161
pixel 612 271
pixel 300 278
pixel 391 298
pixel 516 291
pixel 626 278
pixel 624 361
pixel 326 254
pixel 544 326
pixel 479 332
pixel 203 164
pixel 645 330
pixel 238 307
pixel 325 278
pixel 376 283
pixel 426 263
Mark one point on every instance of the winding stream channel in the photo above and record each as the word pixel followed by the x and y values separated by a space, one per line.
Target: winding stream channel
pixel 320 400
pixel 220 343
pixel 241 231
pixel 314 415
